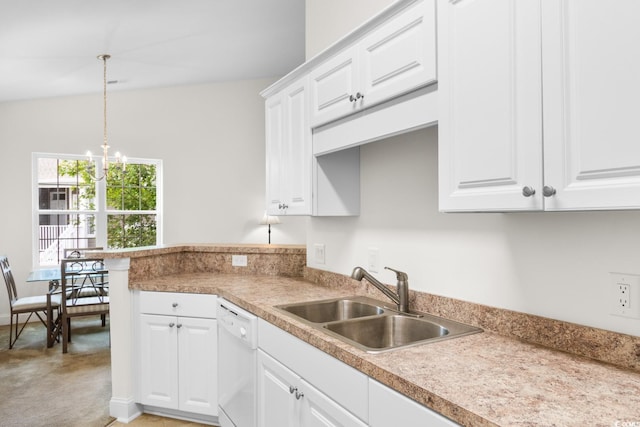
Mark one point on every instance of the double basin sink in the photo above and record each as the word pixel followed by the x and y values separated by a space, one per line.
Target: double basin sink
pixel 372 326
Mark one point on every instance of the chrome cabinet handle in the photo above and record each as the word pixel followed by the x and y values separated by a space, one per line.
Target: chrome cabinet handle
pixel 548 191
pixel 299 394
pixel 179 325
pixel 528 191
pixel 174 305
pixel 171 325
pixel 292 389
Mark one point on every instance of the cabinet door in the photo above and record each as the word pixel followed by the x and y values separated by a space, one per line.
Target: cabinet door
pixel 591 92
pixel 197 357
pixel 274 117
pixel 387 407
pixel 317 410
pixel 400 56
pixel 296 154
pixel 159 361
pixel 276 403
pixel 489 84
pixel 332 84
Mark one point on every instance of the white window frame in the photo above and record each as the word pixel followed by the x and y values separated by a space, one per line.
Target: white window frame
pixel 101 213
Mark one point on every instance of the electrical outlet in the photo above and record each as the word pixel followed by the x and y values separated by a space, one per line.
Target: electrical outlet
pixel 239 260
pixel 318 250
pixel 373 262
pixel 625 295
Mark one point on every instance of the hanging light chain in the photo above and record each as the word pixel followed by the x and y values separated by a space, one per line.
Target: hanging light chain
pixel 120 160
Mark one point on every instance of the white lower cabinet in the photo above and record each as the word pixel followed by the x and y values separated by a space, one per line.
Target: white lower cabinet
pixel 178 354
pixel 387 408
pixel 285 399
pixel 300 386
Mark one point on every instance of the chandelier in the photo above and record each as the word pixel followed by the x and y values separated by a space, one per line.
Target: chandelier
pixel 120 161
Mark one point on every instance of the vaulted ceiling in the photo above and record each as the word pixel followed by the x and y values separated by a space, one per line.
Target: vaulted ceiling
pixel 49 48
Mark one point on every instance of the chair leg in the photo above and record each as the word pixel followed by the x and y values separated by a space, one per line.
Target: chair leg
pixel 12 340
pixel 65 333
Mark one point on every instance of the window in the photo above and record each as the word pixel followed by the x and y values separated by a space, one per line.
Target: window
pixel 76 211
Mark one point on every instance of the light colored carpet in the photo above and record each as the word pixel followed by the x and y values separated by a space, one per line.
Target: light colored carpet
pixel 40 386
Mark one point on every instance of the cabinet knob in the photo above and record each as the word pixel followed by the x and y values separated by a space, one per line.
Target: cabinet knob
pixel 292 389
pixel 179 325
pixel 299 394
pixel 356 97
pixel 548 191
pixel 528 191
pixel 171 325
pixel 174 305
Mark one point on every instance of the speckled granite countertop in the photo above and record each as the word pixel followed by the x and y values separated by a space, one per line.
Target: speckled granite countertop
pixel 479 380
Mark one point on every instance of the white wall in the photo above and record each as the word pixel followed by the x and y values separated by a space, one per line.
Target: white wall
pixel 210 138
pixel 550 264
pixel 327 21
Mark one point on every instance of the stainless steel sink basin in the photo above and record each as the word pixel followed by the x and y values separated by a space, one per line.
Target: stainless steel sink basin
pixel 388 331
pixel 374 327
pixel 332 310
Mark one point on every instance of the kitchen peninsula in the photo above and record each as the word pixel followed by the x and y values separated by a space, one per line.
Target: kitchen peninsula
pixel 484 379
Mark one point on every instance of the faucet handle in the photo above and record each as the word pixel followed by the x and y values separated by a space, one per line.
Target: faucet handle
pixel 400 275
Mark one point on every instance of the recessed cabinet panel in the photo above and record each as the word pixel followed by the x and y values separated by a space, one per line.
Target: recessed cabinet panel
pixel 401 56
pixel 274 147
pixel 490 118
pixel 198 365
pixel 276 405
pixel 159 355
pixel 332 85
pixel 591 92
pixel 299 151
pixel 318 410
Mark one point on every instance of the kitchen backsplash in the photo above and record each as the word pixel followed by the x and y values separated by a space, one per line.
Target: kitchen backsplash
pixel 610 347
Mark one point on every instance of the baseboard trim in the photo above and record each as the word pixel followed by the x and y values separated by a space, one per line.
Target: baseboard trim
pixel 125 410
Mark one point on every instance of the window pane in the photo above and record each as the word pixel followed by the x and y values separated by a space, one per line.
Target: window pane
pixel 64 185
pixel 133 189
pixel 59 232
pixel 131 231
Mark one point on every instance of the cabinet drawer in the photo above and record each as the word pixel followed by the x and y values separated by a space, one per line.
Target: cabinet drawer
pixel 178 304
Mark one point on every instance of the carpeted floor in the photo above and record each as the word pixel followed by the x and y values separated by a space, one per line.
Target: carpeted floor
pixel 43 387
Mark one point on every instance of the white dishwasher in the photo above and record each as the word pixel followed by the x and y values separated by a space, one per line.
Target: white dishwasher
pixel 237 358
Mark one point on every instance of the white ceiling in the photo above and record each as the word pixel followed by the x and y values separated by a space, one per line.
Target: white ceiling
pixel 49 47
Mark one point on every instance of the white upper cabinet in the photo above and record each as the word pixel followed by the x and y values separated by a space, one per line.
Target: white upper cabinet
pixel 490 113
pixel 288 147
pixel 537 105
pixel 591 88
pixel 396 58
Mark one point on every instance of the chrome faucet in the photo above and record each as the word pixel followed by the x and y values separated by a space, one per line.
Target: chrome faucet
pixel 402 296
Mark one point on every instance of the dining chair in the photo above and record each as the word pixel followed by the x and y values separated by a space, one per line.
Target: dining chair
pixel 84 287
pixel 79 252
pixel 46 309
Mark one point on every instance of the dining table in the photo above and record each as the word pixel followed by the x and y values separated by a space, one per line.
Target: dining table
pixel 53 276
